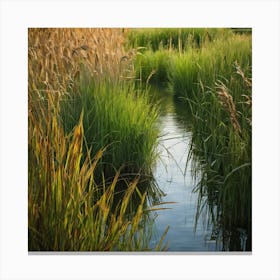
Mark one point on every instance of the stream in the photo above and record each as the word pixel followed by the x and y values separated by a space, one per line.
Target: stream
pixel 177 184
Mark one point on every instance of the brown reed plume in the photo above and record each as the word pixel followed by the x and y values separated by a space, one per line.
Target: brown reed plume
pixel 227 102
pixel 57 55
pixel 239 71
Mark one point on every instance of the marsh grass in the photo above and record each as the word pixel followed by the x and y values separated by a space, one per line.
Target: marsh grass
pixel 213 79
pixel 116 116
pixel 72 205
pixel 66 211
pixel 221 144
pixel 174 38
pixel 197 68
pixel 152 67
pixel 92 135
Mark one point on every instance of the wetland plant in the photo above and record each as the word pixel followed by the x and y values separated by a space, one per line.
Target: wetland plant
pixel 67 210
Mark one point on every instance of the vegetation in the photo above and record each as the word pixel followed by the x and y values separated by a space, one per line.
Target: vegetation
pixel 216 82
pixel 213 79
pixel 222 144
pixel 208 65
pixel 84 116
pixel 152 67
pixel 179 39
pixel 118 117
pixel 92 133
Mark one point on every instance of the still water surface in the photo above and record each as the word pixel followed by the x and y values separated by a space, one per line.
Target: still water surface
pixel 175 180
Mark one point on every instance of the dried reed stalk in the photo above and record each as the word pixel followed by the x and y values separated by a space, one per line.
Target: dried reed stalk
pixel 228 104
pixel 56 56
pixel 239 71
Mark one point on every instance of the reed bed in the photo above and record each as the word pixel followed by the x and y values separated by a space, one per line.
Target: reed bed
pixel 221 144
pixel 120 118
pixel 180 39
pixel 66 210
pixel 69 207
pixel 56 55
pixel 220 101
pixel 213 79
pixel 152 67
pixel 208 64
pixel 90 71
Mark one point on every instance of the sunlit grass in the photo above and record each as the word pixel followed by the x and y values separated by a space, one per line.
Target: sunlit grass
pixel 105 127
pixel 221 144
pixel 66 211
pixel 174 38
pixel 116 116
pixel 213 79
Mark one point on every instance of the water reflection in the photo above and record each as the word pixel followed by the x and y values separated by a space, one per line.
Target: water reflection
pixel 176 181
pixel 194 211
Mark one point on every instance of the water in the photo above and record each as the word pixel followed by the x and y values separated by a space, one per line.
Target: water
pixel 177 184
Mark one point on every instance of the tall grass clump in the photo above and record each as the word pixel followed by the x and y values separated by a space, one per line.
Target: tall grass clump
pixel 116 116
pixel 208 64
pixel 215 81
pixel 221 143
pixel 68 208
pixel 152 67
pixel 174 38
pixel 65 209
pixel 56 55
pixel 91 71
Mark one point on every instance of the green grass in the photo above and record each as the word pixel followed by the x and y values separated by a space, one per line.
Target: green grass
pixel 89 148
pixel 221 144
pixel 91 140
pixel 116 116
pixel 67 210
pixel 208 64
pixel 174 38
pixel 213 79
pixel 152 67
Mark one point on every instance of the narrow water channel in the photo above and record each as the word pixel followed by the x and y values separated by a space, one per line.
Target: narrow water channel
pixel 177 184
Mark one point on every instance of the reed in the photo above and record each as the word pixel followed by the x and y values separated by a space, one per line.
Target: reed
pixel 174 38
pixel 208 64
pixel 221 144
pixel 69 207
pixel 152 67
pixel 66 211
pixel 90 70
pixel 119 117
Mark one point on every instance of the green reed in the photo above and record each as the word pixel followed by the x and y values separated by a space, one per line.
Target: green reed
pixel 221 144
pixel 208 64
pixel 174 38
pixel 87 127
pixel 214 80
pixel 152 67
pixel 66 210
pixel 116 116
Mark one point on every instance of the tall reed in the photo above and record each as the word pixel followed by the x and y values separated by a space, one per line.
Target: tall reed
pixel 116 116
pixel 152 67
pixel 208 64
pixel 213 78
pixel 67 209
pixel 221 143
pixel 174 38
